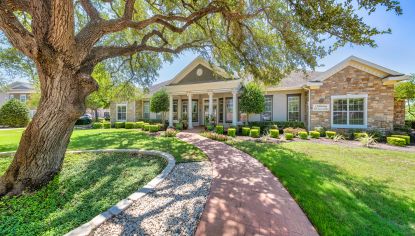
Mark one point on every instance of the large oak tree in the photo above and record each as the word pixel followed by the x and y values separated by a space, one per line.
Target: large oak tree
pixel 65 39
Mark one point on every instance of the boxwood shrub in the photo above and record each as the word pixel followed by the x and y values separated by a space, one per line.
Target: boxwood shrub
pixel 97 125
pixel 396 141
pixel 232 132
pixel 406 137
pixel 219 129
pixel 254 133
pixel 275 133
pixel 119 125
pixel 288 136
pixel 154 128
pixel 14 114
pixel 107 125
pixel 315 134
pixel 129 125
pixel 330 134
pixel 139 124
pixel 256 127
pixel 245 131
pixel 359 135
pixel 146 126
pixel 303 135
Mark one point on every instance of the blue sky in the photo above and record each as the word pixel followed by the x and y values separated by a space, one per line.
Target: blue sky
pixel 395 51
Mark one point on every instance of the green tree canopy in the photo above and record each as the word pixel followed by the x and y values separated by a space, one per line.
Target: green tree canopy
pixel 252 99
pixel 159 102
pixel 406 91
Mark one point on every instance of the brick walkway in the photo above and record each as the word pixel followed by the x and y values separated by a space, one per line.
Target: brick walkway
pixel 245 198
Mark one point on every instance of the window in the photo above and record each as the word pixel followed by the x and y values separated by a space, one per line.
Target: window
pixel 267 114
pixel 349 111
pixel 121 112
pixel 194 110
pixel 175 107
pixel 229 109
pixel 221 110
pixel 293 107
pixel 146 110
pixel 23 98
pixel 184 110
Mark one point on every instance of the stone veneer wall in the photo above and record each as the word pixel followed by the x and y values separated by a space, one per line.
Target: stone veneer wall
pixel 399 112
pixel 381 103
pixel 131 111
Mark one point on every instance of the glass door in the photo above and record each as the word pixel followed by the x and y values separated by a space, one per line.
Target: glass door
pixel 206 110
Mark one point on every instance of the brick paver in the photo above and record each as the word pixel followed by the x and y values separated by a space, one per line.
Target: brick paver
pixel 245 198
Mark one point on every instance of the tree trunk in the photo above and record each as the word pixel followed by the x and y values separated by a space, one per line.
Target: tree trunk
pixel 96 114
pixel 42 147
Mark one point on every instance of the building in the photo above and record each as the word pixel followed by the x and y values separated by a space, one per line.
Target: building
pixel 355 93
pixel 18 90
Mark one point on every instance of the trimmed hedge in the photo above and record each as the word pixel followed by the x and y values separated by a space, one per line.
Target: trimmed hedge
pixel 129 125
pixel 107 125
pixel 406 137
pixel 360 135
pixel 396 141
pixel 219 129
pixel 246 131
pixel 146 126
pixel 254 133
pixel 97 125
pixel 330 134
pixel 256 127
pixel 153 128
pixel 139 124
pixel 315 134
pixel 266 125
pixel 288 136
pixel 232 132
pixel 303 135
pixel 119 125
pixel 275 133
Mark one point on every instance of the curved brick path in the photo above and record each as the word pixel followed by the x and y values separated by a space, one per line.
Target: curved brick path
pixel 245 198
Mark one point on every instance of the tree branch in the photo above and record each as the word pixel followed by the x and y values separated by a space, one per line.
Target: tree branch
pixel 90 10
pixel 18 5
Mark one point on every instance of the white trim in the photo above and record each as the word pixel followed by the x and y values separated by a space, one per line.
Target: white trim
pixel 126 111
pixel 348 96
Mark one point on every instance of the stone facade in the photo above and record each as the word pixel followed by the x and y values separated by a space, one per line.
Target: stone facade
pixel 399 112
pixel 131 111
pixel 381 105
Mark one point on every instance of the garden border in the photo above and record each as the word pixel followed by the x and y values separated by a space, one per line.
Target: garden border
pixel 123 204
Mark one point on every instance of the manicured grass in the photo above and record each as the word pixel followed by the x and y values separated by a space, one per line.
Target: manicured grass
pixel 114 138
pixel 87 185
pixel 345 191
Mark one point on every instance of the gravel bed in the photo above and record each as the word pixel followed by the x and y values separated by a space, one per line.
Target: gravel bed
pixel 174 208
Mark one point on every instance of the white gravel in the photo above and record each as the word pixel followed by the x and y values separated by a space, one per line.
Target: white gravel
pixel 174 208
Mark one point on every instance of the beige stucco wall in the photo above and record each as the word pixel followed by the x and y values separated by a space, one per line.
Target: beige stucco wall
pixel 380 101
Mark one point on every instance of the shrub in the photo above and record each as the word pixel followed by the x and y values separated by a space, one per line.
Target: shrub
pixel 265 125
pixel 275 133
pixel 119 125
pixel 139 124
pixel 330 134
pixel 169 133
pixel 357 136
pixel 97 125
pixel 210 127
pixel 221 137
pixel 232 132
pixel 215 136
pixel 254 133
pixel 256 127
pixel 14 114
pixel 179 126
pixel 321 130
pixel 153 128
pixel 100 119
pixel 246 131
pixel 146 126
pixel 396 141
pixel 377 134
pixel 338 137
pixel 367 141
pixel 107 125
pixel 303 135
pixel 294 131
pixel 406 137
pixel 219 129
pixel 410 123
pixel 288 136
pixel 315 134
pixel 129 125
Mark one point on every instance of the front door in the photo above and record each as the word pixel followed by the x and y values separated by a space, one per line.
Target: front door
pixel 206 110
pixel 194 114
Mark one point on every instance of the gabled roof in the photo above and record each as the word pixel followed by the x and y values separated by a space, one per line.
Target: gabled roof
pixel 18 85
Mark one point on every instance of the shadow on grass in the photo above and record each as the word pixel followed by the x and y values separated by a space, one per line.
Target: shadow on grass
pixel 336 202
pixel 84 189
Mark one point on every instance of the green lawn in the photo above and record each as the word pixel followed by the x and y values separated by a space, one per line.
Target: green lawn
pixel 114 138
pixel 345 191
pixel 87 185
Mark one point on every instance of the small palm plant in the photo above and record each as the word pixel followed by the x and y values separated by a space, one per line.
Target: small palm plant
pixel 367 141
pixel 338 138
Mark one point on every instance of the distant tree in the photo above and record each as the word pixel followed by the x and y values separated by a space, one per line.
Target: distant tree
pixel 159 102
pixel 406 91
pixel 252 99
pixel 14 114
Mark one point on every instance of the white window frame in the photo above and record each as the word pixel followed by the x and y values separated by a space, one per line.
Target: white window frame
pixel 144 110
pixel 23 96
pixel 349 96
pixel 116 111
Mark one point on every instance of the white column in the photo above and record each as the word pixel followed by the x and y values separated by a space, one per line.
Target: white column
pixel 189 111
pixel 210 106
pixel 234 108
pixel 171 111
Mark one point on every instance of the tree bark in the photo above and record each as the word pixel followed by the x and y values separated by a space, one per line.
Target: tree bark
pixel 42 147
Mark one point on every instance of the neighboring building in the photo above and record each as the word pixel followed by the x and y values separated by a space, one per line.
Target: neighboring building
pixel 353 94
pixel 18 90
pixel 102 113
